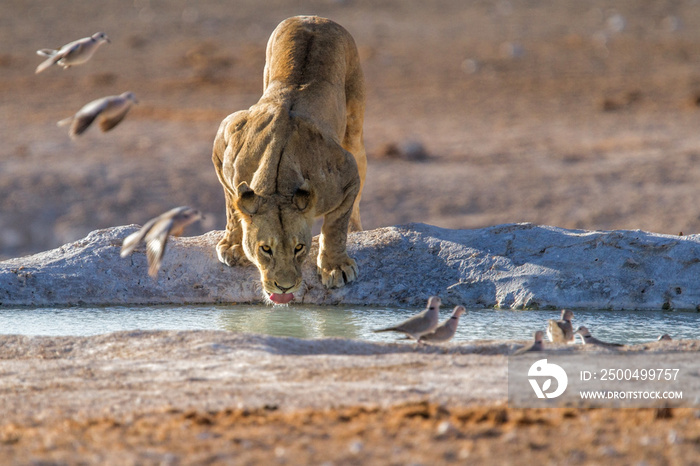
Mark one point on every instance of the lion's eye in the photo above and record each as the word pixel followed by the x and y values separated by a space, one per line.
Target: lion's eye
pixel 299 248
pixel 266 249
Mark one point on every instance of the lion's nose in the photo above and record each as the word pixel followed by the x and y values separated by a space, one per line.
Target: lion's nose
pixel 283 289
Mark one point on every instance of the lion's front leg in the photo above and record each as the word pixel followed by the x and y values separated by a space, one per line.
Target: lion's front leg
pixel 230 249
pixel 335 267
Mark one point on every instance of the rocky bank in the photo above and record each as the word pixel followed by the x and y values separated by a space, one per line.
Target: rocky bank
pixel 507 266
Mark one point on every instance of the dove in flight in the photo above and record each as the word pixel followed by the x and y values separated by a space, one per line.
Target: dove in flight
pixel 108 111
pixel 155 234
pixel 74 53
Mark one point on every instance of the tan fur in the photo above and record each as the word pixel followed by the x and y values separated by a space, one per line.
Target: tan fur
pixel 296 155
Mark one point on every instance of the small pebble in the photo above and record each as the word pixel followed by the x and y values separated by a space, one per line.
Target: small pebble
pixel 356 446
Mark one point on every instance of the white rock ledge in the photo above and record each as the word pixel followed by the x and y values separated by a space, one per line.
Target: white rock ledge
pixel 508 266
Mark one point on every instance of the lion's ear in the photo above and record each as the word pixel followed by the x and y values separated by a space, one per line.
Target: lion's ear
pixel 304 197
pixel 248 201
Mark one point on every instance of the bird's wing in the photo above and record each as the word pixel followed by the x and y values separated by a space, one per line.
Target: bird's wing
pixel 67 51
pixel 72 49
pixel 86 115
pixel 47 63
pixel 132 241
pixel 65 121
pixel 81 123
pixel 157 239
pixel 46 52
pixel 107 123
pixel 401 326
pixel 443 332
pixel 415 324
pixel 155 251
pixel 554 331
pixel 567 330
pixel 605 343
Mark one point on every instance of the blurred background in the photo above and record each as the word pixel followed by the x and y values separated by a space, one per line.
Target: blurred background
pixel 579 114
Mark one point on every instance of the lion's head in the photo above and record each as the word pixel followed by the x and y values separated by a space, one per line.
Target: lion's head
pixel 277 237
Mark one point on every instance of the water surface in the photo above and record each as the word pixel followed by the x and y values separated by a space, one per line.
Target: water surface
pixel 338 321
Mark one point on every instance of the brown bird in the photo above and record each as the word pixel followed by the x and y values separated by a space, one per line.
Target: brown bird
pixel 536 345
pixel 109 111
pixel 155 234
pixel 588 339
pixel 446 330
pixel 561 331
pixel 73 53
pixel 419 324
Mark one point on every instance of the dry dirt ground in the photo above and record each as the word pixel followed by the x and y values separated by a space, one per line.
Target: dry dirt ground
pixel 568 113
pixel 220 398
pixel 412 433
pixel 575 114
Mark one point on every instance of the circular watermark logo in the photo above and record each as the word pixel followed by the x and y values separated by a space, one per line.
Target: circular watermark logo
pixel 546 372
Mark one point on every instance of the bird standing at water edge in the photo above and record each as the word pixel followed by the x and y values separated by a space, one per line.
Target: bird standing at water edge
pixel 155 233
pixel 588 339
pixel 73 53
pixel 109 111
pixel 536 345
pixel 561 331
pixel 419 324
pixel 446 330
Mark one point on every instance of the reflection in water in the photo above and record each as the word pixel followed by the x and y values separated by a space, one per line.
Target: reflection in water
pixel 339 321
pixel 291 321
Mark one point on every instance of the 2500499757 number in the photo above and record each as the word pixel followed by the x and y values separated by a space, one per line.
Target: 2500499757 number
pixel 639 374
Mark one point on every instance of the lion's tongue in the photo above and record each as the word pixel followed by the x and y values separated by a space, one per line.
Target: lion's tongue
pixel 281 298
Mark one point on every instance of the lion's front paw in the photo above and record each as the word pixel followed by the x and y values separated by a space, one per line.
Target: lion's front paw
pixel 231 254
pixel 337 274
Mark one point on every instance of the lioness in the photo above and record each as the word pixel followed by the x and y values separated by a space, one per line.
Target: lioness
pixel 296 155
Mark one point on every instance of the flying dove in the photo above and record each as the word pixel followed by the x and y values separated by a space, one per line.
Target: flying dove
pixel 155 234
pixel 446 330
pixel 109 111
pixel 588 339
pixel 561 331
pixel 419 324
pixel 536 345
pixel 74 53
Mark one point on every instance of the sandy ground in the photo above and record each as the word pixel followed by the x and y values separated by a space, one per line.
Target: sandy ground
pixel 575 114
pixel 409 433
pixel 210 397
